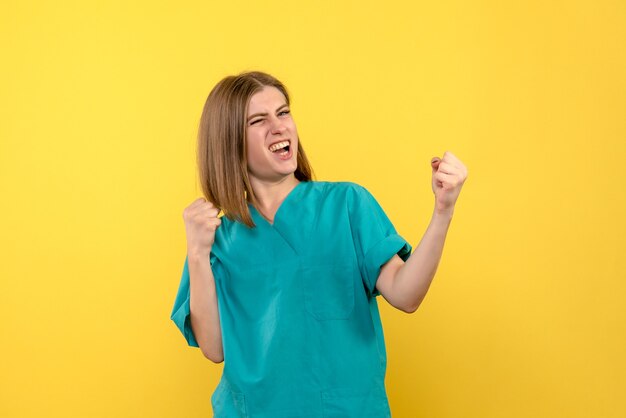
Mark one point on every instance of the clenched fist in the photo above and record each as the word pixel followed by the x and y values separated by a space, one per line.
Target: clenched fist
pixel 201 222
pixel 449 174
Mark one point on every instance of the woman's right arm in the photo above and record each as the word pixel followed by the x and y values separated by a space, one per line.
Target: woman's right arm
pixel 201 221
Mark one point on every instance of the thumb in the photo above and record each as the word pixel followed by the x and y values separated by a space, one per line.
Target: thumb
pixel 434 163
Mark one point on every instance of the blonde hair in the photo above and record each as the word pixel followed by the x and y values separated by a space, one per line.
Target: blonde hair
pixel 222 161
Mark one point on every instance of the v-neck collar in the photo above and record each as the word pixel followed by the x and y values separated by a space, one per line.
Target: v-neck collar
pixel 291 195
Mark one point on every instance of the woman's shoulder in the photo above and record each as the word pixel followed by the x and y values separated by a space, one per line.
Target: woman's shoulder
pixel 347 194
pixel 337 186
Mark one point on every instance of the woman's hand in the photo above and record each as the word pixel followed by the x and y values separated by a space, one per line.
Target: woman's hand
pixel 201 222
pixel 449 174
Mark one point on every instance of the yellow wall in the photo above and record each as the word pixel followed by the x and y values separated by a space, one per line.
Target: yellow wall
pixel 99 105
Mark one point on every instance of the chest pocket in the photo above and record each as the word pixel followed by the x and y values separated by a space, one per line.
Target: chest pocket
pixel 329 289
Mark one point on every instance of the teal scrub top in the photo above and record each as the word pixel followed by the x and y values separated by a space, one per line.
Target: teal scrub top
pixel 301 331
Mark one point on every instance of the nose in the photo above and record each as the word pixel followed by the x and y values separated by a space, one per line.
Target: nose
pixel 277 126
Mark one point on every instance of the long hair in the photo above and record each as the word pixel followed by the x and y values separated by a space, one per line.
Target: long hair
pixel 222 160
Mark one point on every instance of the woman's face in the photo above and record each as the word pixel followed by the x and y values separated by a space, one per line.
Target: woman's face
pixel 272 138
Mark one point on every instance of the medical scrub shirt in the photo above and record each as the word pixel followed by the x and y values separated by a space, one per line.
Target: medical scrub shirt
pixel 301 331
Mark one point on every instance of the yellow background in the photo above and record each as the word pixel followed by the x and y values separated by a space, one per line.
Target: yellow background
pixel 100 103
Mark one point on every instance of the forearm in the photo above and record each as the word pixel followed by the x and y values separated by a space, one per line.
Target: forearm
pixel 204 316
pixel 413 279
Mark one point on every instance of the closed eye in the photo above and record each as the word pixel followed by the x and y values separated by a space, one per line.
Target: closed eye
pixel 281 113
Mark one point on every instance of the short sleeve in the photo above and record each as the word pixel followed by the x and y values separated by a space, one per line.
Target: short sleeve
pixel 181 310
pixel 375 239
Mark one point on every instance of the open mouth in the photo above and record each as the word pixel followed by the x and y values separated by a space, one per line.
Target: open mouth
pixel 280 148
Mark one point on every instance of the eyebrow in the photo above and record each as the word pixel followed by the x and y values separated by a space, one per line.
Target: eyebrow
pixel 264 114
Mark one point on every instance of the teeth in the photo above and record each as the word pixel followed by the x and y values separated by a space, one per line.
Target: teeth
pixel 279 145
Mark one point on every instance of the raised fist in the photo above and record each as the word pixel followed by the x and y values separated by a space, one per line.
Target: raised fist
pixel 449 174
pixel 201 222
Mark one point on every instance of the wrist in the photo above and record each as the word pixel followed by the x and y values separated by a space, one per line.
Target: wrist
pixel 198 254
pixel 444 215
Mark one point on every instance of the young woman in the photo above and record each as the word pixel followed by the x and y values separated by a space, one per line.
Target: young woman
pixel 283 287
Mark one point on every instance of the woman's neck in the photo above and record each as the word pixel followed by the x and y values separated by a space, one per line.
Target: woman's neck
pixel 270 194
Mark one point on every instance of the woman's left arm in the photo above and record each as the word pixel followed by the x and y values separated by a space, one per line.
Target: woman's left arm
pixel 404 285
